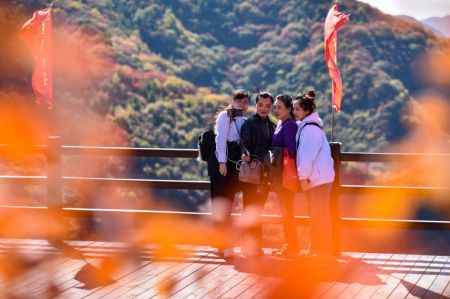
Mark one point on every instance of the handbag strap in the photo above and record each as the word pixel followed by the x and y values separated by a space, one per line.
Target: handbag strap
pixel 301 130
pixel 298 140
pixel 238 163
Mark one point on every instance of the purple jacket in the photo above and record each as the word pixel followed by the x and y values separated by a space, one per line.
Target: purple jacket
pixel 284 136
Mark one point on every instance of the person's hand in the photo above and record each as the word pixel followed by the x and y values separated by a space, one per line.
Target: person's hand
pixel 304 184
pixel 245 157
pixel 223 169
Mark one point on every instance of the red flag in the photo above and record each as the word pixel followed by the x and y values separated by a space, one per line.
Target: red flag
pixel 36 34
pixel 333 22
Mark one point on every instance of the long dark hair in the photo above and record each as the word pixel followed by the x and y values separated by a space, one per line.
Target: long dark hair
pixel 287 101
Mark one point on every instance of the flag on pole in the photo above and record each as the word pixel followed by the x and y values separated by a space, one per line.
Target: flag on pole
pixel 36 33
pixel 333 22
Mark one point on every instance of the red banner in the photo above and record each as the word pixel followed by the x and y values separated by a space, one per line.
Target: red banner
pixel 333 22
pixel 37 35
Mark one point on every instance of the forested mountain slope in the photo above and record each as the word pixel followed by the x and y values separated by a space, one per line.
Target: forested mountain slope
pixel 157 71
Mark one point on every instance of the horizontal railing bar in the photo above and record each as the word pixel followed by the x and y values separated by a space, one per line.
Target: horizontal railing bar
pixel 387 157
pixel 193 153
pixel 395 223
pixel 113 182
pixel 140 183
pixel 129 151
pixel 205 185
pixel 23 179
pixel 99 213
pixel 267 219
pixel 7 149
pixel 375 190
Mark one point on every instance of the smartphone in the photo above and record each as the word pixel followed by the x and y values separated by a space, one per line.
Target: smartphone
pixel 234 112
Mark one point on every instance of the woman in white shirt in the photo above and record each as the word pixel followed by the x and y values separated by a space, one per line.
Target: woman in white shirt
pixel 224 180
pixel 315 172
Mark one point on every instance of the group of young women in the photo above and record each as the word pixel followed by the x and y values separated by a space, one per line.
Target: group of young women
pixel 297 134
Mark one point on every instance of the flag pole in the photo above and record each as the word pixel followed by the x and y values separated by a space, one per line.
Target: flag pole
pixel 332 107
pixel 332 124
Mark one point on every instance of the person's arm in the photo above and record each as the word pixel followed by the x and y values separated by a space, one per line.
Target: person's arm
pixel 289 132
pixel 221 129
pixel 308 150
pixel 246 139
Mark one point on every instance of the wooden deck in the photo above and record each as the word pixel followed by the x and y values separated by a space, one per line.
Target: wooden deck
pixel 36 269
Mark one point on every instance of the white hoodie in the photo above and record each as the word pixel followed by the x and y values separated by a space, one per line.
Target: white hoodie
pixel 314 160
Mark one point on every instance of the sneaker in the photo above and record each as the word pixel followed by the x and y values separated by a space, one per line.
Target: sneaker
pixel 218 252
pixel 228 253
pixel 321 258
pixel 224 253
pixel 251 253
pixel 285 252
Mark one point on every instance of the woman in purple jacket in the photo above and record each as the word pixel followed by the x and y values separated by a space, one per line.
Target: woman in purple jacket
pixel 284 137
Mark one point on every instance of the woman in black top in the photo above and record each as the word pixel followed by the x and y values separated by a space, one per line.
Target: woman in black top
pixel 256 137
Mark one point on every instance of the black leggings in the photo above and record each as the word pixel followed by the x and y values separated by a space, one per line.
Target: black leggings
pixel 223 191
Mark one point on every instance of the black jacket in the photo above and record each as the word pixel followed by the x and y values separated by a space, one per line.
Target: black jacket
pixel 254 136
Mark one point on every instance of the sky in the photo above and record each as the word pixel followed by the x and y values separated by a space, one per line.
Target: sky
pixel 419 9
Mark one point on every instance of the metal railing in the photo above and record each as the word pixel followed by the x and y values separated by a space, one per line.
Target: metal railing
pixel 54 180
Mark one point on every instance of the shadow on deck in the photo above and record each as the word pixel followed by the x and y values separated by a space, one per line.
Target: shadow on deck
pixel 36 269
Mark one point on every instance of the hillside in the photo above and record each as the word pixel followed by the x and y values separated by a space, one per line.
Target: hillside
pixel 441 25
pixel 153 73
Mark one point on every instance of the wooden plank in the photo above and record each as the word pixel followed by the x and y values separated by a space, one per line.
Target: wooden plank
pixel 127 277
pixel 361 276
pixel 150 276
pixel 29 276
pixel 190 282
pixel 181 268
pixel 413 275
pixel 262 284
pixel 275 279
pixel 148 287
pixel 240 287
pixel 375 281
pixel 227 285
pixel 391 282
pixel 336 287
pixel 397 276
pixel 426 280
pixel 446 292
pixel 75 289
pixel 442 279
pixel 202 274
pixel 35 282
pixel 214 279
pixel 382 274
pixel 58 261
pixel 267 292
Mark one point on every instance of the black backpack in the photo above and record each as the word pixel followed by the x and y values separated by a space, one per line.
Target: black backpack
pixel 207 144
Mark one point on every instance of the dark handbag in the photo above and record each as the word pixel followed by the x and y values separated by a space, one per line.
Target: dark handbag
pixel 275 166
pixel 251 172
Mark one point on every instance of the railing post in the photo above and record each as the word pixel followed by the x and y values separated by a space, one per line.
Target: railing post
pixel 334 201
pixel 54 173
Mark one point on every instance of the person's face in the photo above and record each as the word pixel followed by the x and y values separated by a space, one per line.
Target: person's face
pixel 263 107
pixel 241 104
pixel 280 111
pixel 299 112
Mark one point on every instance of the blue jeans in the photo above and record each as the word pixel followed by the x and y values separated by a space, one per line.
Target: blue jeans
pixel 320 218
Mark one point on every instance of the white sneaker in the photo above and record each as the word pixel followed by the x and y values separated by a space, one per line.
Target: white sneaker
pixel 228 252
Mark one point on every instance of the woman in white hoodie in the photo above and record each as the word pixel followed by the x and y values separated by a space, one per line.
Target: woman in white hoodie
pixel 315 171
